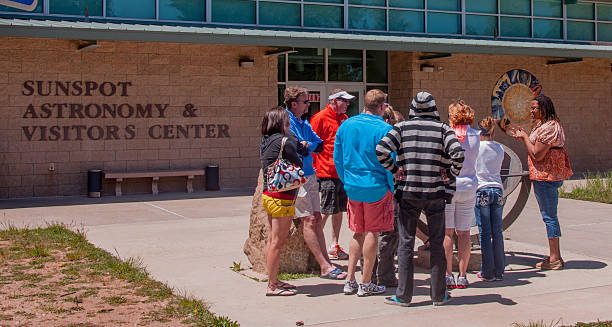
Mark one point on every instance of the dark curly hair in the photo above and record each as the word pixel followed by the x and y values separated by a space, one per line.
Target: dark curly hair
pixel 547 107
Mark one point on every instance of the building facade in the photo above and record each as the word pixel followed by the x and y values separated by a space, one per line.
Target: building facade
pixel 169 84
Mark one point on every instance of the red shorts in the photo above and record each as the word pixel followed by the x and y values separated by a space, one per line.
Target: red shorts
pixel 372 217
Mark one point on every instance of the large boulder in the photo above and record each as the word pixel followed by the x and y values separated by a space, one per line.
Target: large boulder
pixel 295 255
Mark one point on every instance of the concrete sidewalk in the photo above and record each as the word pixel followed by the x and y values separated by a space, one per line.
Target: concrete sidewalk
pixel 191 243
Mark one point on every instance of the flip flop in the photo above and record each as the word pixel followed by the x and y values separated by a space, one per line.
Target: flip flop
pixel 335 274
pixel 285 286
pixel 280 292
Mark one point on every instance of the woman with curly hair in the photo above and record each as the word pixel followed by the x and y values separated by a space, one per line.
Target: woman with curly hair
pixel 459 214
pixel 548 167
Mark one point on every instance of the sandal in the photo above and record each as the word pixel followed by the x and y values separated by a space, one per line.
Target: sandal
pixel 285 286
pixel 335 274
pixel 279 292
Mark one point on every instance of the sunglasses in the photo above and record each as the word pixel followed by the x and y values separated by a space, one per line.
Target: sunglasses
pixel 306 101
pixel 533 108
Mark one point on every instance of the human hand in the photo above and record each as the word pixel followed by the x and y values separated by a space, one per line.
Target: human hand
pixel 519 133
pixel 305 144
pixel 445 178
pixel 399 174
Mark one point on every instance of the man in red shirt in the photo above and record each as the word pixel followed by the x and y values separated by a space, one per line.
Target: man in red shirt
pixel 325 124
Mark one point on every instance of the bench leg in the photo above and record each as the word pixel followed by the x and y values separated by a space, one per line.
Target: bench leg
pixel 118 186
pixel 154 188
pixel 190 184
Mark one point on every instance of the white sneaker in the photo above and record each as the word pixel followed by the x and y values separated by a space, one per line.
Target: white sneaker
pixel 350 287
pixel 370 289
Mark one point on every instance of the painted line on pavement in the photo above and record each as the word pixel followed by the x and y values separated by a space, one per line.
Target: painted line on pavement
pixel 166 210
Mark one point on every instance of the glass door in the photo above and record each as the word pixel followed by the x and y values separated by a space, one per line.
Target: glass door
pixel 358 91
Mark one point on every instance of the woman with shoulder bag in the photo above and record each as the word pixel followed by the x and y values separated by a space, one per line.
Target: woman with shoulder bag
pixel 548 167
pixel 277 143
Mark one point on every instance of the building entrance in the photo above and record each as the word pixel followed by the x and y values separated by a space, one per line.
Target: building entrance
pixel 318 93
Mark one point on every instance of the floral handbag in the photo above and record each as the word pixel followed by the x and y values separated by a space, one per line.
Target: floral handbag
pixel 283 175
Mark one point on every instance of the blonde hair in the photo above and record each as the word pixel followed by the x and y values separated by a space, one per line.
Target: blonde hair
pixel 460 113
pixel 292 93
pixel 487 125
pixel 374 98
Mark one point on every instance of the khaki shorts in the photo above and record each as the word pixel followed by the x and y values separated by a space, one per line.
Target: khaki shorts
pixel 308 201
pixel 277 207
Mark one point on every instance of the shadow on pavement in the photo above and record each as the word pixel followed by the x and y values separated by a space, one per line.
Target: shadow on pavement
pixel 84 200
pixel 530 259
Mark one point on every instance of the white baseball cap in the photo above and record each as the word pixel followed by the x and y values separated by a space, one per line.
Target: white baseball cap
pixel 342 95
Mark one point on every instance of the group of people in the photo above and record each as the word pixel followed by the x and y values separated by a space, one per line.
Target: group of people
pixel 385 171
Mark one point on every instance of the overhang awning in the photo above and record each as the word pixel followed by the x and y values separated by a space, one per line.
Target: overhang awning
pixel 285 38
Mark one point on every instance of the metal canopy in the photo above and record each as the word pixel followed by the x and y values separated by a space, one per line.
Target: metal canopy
pixel 277 38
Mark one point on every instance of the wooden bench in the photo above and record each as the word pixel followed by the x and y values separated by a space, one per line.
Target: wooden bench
pixel 154 175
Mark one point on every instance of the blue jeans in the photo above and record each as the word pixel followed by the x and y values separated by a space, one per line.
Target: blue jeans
pixel 489 209
pixel 547 194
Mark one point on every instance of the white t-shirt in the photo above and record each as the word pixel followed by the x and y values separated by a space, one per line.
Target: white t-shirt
pixel 467 182
pixel 488 164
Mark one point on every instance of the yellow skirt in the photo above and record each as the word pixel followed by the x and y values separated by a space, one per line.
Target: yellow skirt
pixel 278 207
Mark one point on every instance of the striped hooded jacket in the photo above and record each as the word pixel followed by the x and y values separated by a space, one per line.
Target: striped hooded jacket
pixel 425 147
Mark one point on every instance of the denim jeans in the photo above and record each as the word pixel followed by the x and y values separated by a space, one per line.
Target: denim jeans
pixel 547 194
pixel 489 210
pixel 410 211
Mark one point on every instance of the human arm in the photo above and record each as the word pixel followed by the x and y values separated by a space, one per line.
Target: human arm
pixel 291 150
pixel 537 151
pixel 338 156
pixel 315 143
pixel 389 143
pixel 454 153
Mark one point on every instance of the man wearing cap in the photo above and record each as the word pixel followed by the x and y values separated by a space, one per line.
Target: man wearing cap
pixel 308 203
pixel 427 152
pixel 369 188
pixel 325 124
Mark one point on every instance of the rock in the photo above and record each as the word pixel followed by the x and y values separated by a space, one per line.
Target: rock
pixel 295 255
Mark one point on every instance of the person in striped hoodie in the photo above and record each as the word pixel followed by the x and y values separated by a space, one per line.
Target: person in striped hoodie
pixel 429 157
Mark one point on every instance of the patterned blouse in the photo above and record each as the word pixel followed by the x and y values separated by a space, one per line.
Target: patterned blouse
pixel 555 165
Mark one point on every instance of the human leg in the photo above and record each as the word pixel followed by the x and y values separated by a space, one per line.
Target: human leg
pixel 483 219
pixel 449 220
pixel 497 208
pixel 464 216
pixel 355 248
pixel 409 212
pixel 333 203
pixel 434 212
pixel 387 246
pixel 547 195
pixel 369 250
pixel 279 230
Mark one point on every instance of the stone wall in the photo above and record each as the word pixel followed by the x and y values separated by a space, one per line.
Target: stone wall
pixel 148 78
pixel 581 93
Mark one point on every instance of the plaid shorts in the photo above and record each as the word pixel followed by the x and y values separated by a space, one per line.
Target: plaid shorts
pixel 333 196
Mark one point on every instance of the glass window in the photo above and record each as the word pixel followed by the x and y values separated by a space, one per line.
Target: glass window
pixel 380 87
pixel 281 95
pixel 481 6
pixel 547 8
pixel 367 2
pixel 418 4
pixel 580 31
pixel 604 32
pixel 276 13
pixel 453 5
pixel 604 12
pixel 515 27
pixel 581 11
pixel 38 9
pixel 345 65
pixel 75 7
pixel 131 9
pixel 323 16
pixel 367 18
pixel 182 10
pixel 307 64
pixel 547 29
pixel 515 7
pixel 406 21
pixel 327 1
pixel 480 25
pixel 233 11
pixel 376 66
pixel 281 68
pixel 443 23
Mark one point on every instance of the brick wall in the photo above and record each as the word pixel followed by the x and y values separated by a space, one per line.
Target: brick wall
pixel 205 76
pixel 581 93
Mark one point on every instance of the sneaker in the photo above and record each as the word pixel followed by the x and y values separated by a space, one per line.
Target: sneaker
pixel 539 264
pixel 350 287
pixel 450 282
pixel 555 265
pixel 479 275
pixel 335 252
pixel 447 298
pixel 462 282
pixel 499 278
pixel 370 289
pixel 393 300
